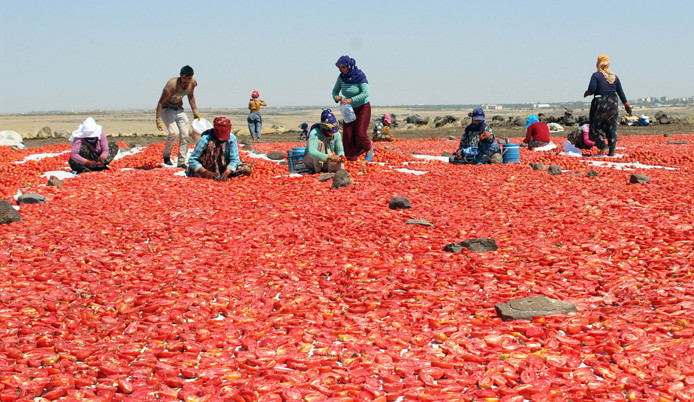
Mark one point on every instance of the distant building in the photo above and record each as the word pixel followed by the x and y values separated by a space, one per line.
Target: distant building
pixel 492 107
pixel 540 105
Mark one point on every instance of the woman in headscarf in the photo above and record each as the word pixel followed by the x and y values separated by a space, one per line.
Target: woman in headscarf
pixel 91 151
pixel 216 154
pixel 255 121
pixel 354 86
pixel 324 150
pixel 382 129
pixel 477 145
pixel 537 134
pixel 605 87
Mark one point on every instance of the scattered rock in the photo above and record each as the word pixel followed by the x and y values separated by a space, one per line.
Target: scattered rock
pixel 664 120
pixel 7 213
pixel 481 245
pixel 440 121
pixel 399 203
pixel 54 181
pixel 45 132
pixel 326 176
pixel 409 126
pixel 659 114
pixel 277 128
pixel 533 306
pixel 592 173
pixel 518 121
pixel 667 135
pixel 276 155
pixel 678 142
pixel 451 138
pixel 538 166
pixel 446 154
pixel 554 170
pixel 341 179
pixel 496 158
pixel 639 178
pixel 417 120
pixel 62 134
pixel 31 198
pixel 420 222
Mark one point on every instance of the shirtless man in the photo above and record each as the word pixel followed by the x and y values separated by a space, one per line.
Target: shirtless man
pixel 170 114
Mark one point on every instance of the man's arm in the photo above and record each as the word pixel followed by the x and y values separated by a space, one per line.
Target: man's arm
pixel 191 99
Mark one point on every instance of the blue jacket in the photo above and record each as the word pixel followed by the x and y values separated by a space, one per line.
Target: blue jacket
pixel 231 154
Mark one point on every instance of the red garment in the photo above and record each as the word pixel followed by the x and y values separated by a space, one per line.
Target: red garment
pixel 537 131
pixel 355 136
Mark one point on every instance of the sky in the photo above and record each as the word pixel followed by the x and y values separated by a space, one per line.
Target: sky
pixel 117 55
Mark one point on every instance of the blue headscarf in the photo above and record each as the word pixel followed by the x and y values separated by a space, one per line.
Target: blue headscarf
pixel 531 120
pixel 354 75
pixel 477 114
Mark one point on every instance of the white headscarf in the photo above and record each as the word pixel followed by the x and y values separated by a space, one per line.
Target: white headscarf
pixel 88 129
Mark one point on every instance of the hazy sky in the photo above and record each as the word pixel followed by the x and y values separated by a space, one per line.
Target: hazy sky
pixel 84 55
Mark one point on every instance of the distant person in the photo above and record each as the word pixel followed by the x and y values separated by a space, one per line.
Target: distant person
pixel 170 114
pixel 478 144
pixel 605 87
pixel 255 121
pixel 324 150
pixel 382 129
pixel 303 132
pixel 216 155
pixel 91 151
pixel 354 86
pixel 537 132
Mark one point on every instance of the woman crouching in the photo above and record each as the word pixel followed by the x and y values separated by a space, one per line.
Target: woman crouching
pixel 91 151
pixel 216 154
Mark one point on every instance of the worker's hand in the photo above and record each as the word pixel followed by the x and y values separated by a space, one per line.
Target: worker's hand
pixel 334 158
pixel 205 173
pixel 160 125
pixel 225 176
pixel 457 155
pixel 91 164
pixel 484 136
pixel 627 108
pixel 586 93
pixel 338 98
pixel 345 101
pixel 102 160
pixel 196 114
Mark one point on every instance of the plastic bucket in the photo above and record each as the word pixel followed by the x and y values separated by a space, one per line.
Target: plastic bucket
pixel 510 153
pixel 298 151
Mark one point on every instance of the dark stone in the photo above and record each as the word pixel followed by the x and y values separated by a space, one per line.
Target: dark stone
pixel 61 134
pixel 7 213
pixel 667 135
pixel 664 120
pixel 326 176
pixel 639 178
pixel 592 173
pixel 538 166
pixel 496 158
pixel 481 245
pixel 440 121
pixel 417 120
pixel 453 248
pixel 500 120
pixel 677 142
pixel 54 181
pixel 276 155
pixel 341 179
pixel 533 306
pixel 659 114
pixel 450 137
pixel 518 121
pixel 31 198
pixel 420 222
pixel 446 154
pixel 554 170
pixel 399 203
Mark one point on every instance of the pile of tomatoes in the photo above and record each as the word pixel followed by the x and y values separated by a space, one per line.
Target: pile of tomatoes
pixel 140 284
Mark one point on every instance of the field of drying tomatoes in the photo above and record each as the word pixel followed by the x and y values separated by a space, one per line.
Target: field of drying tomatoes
pixel 139 284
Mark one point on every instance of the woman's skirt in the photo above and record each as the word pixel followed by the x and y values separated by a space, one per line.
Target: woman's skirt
pixel 603 120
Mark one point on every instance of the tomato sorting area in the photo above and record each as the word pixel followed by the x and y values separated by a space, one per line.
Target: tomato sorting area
pixel 138 284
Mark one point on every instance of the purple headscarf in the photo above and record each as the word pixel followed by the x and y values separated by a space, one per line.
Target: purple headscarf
pixel 354 75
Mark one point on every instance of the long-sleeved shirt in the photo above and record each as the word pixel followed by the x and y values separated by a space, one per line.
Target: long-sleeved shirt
pixel 231 153
pixel 100 147
pixel 359 93
pixel 333 144
pixel 599 86
pixel 471 137
pixel 255 104
pixel 537 131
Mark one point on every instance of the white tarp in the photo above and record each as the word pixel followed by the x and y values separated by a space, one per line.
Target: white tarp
pixel 11 138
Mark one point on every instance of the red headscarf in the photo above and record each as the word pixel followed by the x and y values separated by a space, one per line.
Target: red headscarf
pixel 222 128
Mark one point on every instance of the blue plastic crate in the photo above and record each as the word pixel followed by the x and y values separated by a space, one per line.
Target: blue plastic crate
pixel 296 162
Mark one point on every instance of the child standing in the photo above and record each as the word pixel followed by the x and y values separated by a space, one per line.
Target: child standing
pixel 255 122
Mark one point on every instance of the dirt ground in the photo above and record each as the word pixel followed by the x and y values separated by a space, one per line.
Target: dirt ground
pixel 415 133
